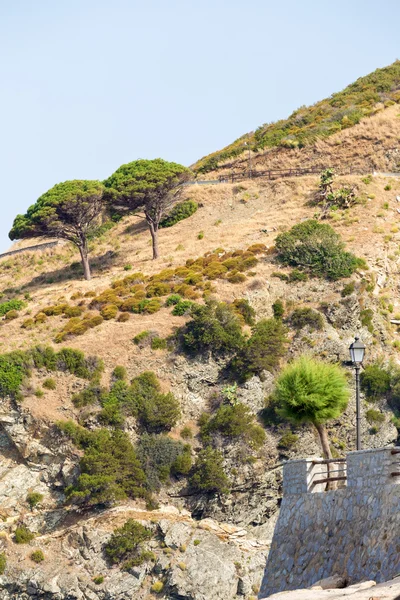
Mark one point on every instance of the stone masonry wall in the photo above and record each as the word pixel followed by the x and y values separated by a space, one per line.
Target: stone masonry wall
pixel 353 532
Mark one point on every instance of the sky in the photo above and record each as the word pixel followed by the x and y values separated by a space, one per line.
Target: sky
pixel 87 85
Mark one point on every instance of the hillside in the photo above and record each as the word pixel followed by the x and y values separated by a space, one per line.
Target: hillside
pixel 296 141
pixel 230 529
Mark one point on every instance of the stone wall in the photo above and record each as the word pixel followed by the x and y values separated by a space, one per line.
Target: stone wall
pixel 353 531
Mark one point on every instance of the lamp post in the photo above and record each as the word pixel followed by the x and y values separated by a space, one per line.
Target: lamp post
pixel 357 350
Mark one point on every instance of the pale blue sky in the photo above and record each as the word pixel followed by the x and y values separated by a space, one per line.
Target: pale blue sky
pixel 87 85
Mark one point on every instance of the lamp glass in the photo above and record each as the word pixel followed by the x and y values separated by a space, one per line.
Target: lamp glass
pixel 357 350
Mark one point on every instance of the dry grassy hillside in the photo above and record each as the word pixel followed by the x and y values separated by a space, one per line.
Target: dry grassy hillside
pixel 371 145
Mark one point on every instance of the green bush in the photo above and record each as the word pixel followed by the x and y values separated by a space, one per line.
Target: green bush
pixel 33 499
pixel 214 328
pixel 242 307
pixel 37 556
pixel 182 308
pixel 158 455
pixel 262 351
pixel 109 311
pixel 295 275
pixel 50 383
pixel 23 535
pixel 278 309
pixel 13 370
pixel 98 579
pixel 183 463
pixel 315 247
pixel 158 343
pixel 208 473
pixel 348 289
pixel 157 587
pixel 119 373
pixel 3 563
pixel 173 300
pixel 186 433
pixel 6 307
pixel 234 421
pixel 11 315
pixel 375 381
pixel 110 470
pixel 141 337
pixel 87 397
pixel 125 547
pixel 374 416
pixel 366 316
pixel 306 317
pixel 180 211
pixel 288 440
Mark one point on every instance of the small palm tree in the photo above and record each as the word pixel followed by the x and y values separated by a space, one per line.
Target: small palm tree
pixel 312 391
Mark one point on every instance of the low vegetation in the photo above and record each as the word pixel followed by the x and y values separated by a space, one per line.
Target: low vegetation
pixel 125 547
pixel 316 248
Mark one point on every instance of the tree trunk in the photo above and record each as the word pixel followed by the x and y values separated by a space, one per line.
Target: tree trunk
pixel 85 260
pixel 154 238
pixel 326 450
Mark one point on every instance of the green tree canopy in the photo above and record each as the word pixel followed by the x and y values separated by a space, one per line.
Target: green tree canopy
pixel 150 185
pixel 317 248
pixel 69 210
pixel 312 391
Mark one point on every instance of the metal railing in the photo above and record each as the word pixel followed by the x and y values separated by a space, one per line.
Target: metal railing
pixel 330 473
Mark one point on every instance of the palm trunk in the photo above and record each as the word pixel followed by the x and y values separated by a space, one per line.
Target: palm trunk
pixel 83 249
pixel 154 238
pixel 326 450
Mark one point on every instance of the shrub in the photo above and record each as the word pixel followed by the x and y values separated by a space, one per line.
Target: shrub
pixel 173 300
pixel 125 547
pixel 3 563
pixel 74 361
pixel 109 311
pixel 158 343
pixel 49 383
pixel 158 454
pixel 27 324
pixel 110 470
pixel 348 289
pixel 316 247
pixel 73 311
pixel 214 328
pixel 157 587
pixel 182 308
pixel 141 337
pixel 158 288
pixel 288 440
pixel 124 317
pixel 11 315
pixel 262 351
pixel 242 307
pixel 180 211
pixel 40 318
pixel 23 535
pixel 183 463
pixel 366 316
pixel 186 433
pixel 295 275
pixel 200 235
pixel 33 499
pixel 159 412
pixel 236 277
pixel 234 421
pixel 278 309
pixel 306 317
pixel 119 373
pixel 15 305
pixel 257 249
pixel 374 416
pixel 98 579
pixel 13 369
pixel 208 473
pixel 375 381
pixel 87 397
pixel 37 556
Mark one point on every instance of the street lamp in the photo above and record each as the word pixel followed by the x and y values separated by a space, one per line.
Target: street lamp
pixel 357 350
